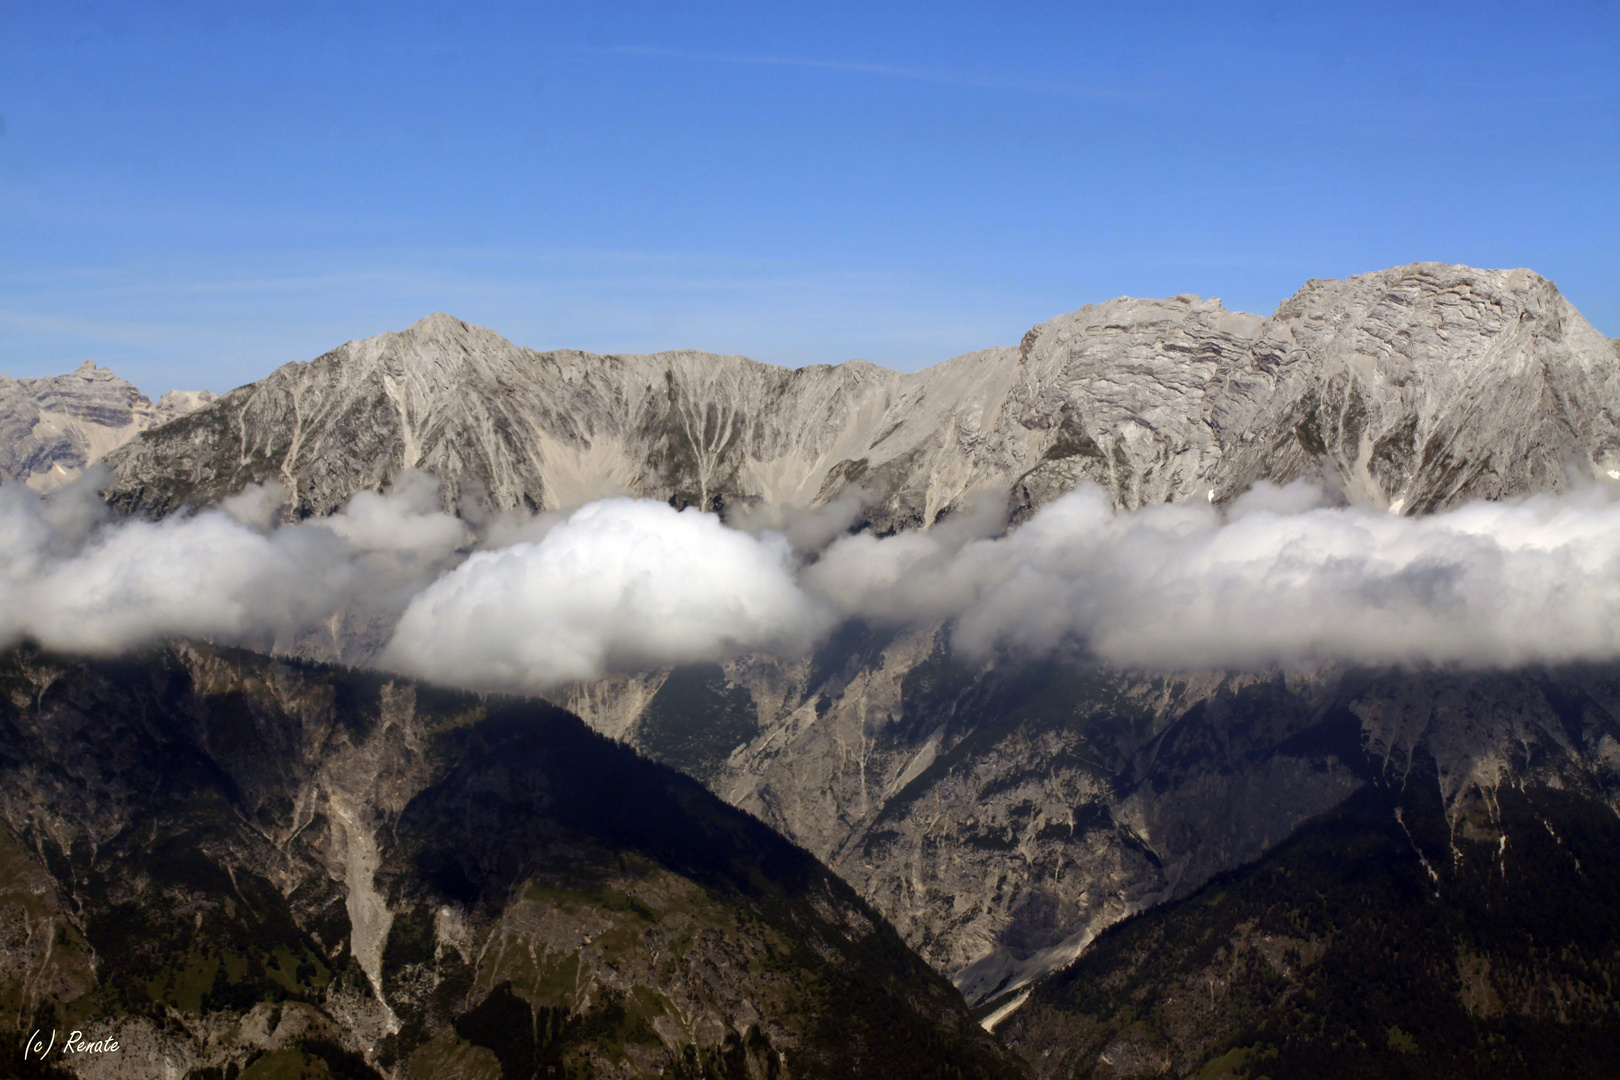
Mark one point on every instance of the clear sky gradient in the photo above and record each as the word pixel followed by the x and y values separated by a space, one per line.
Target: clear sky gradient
pixel 193 194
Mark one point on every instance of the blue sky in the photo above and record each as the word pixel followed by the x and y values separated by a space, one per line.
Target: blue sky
pixel 193 194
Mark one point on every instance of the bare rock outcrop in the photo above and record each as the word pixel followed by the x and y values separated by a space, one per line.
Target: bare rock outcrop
pixel 1424 386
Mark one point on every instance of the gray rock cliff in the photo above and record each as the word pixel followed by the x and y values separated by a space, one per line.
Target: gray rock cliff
pixel 1003 816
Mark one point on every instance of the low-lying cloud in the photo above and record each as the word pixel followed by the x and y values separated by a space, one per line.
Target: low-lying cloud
pixel 1279 577
pixel 72 578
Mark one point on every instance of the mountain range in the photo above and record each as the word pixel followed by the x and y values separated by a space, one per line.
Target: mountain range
pixel 1377 383
pixel 1082 849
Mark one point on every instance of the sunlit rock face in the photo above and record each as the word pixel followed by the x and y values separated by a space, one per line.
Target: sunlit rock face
pixel 1424 386
pixel 51 428
pixel 1002 816
pixel 1413 388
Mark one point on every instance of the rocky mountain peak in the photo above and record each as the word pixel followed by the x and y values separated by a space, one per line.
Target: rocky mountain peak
pixel 436 335
pixel 438 324
pixel 52 428
pixel 432 342
pixel 1417 387
pixel 1000 817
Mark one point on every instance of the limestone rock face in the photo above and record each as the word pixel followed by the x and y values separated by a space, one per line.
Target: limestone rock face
pixel 51 428
pixel 1413 388
pixel 1112 393
pixel 1124 394
pixel 548 430
pixel 999 817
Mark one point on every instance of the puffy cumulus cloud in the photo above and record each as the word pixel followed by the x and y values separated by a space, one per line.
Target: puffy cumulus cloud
pixel 202 575
pixel 72 579
pixel 621 583
pixel 1279 577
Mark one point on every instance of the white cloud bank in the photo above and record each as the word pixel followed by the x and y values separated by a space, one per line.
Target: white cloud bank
pixel 1276 578
pixel 72 579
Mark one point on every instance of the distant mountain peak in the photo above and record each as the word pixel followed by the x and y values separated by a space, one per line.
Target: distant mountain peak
pixel 52 428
